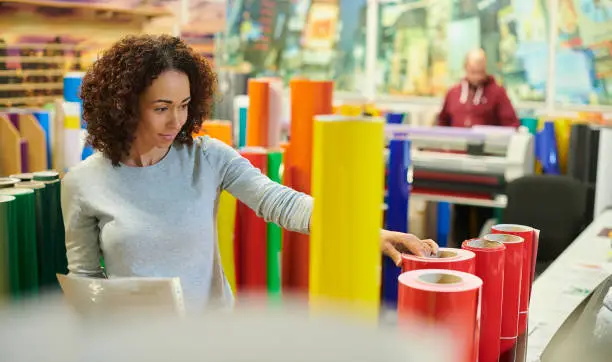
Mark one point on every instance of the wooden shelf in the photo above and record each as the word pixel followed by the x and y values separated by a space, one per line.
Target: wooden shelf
pixel 32 59
pixel 31 72
pixel 34 100
pixel 143 11
pixel 31 86
pixel 47 46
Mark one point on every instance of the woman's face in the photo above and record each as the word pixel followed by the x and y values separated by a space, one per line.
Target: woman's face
pixel 163 110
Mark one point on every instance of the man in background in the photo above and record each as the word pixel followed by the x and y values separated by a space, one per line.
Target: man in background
pixel 476 100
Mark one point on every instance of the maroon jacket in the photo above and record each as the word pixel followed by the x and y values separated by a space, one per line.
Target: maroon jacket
pixel 488 104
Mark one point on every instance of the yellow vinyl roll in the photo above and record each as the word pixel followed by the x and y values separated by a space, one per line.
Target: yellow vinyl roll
pixel 72 122
pixel 351 110
pixel 563 129
pixel 226 220
pixel 347 185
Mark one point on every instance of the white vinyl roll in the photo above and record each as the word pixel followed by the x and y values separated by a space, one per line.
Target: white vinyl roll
pixel 603 189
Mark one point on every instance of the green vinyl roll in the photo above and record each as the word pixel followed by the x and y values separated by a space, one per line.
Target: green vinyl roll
pixel 56 222
pixel 23 176
pixel 46 273
pixel 6 182
pixel 27 256
pixel 274 232
pixel 9 274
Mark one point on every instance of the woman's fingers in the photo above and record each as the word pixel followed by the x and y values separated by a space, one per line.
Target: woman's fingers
pixel 391 251
pixel 432 244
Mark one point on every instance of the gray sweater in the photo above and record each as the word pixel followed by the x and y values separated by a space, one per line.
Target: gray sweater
pixel 160 220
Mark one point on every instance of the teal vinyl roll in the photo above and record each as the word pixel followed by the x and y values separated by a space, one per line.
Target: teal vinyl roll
pixel 242 126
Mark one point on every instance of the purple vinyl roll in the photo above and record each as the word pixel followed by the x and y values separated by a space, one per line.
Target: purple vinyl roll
pixel 14 118
pixel 24 156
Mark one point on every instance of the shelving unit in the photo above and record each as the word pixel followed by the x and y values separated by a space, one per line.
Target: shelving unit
pixel 32 63
pixel 148 12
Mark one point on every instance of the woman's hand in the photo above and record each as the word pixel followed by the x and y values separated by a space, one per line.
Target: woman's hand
pixel 394 244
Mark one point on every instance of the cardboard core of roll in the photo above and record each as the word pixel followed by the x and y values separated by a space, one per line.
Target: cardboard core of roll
pixel 440 278
pixel 484 244
pixel 30 185
pixel 503 238
pixel 511 228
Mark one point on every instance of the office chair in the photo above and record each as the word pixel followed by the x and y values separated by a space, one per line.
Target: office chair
pixel 556 205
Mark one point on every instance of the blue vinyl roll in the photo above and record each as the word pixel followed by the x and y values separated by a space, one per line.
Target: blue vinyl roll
pixel 72 86
pixel 87 151
pixel 444 220
pixel 398 189
pixel 242 130
pixel 44 119
pixel 546 149
pixel 395 118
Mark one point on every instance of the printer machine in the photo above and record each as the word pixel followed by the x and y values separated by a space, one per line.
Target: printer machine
pixel 475 162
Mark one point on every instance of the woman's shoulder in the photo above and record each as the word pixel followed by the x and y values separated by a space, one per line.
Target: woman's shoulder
pixel 210 149
pixel 87 170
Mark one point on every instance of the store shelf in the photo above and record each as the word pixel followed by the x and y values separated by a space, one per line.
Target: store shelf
pixel 31 86
pixel 141 11
pixel 30 101
pixel 32 59
pixel 31 72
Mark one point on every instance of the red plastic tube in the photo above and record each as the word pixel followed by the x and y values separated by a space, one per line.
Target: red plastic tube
pixel 513 265
pixel 252 236
pixel 447 299
pixel 490 268
pixel 447 258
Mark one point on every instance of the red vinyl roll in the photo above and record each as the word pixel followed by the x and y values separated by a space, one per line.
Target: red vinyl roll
pixel 513 265
pixel 530 235
pixel 490 268
pixel 447 258
pixel 449 300
pixel 250 257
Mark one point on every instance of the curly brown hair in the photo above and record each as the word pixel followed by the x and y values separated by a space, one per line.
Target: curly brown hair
pixel 112 86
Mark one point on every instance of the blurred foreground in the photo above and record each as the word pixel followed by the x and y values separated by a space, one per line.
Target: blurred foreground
pixel 50 330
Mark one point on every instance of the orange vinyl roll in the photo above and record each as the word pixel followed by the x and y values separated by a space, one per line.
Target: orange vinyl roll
pixel 250 254
pixel 530 253
pixel 447 258
pixel 446 299
pixel 513 264
pixel 258 113
pixel 221 130
pixel 308 99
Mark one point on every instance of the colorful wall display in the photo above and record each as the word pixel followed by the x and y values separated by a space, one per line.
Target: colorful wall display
pixel 287 38
pixel 422 45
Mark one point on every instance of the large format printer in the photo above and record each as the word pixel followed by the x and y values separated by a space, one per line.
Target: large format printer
pixel 473 162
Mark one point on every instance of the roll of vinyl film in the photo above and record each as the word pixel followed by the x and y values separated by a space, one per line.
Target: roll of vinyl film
pixel 9 275
pixel 23 176
pixel 6 182
pixel 27 254
pixel 45 272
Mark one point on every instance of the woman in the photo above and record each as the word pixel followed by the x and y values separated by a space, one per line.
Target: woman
pixel 147 200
